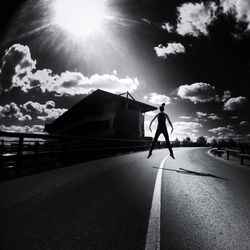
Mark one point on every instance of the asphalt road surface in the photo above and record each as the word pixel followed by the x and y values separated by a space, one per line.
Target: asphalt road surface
pixel 130 202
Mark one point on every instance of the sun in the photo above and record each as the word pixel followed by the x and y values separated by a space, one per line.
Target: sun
pixel 80 17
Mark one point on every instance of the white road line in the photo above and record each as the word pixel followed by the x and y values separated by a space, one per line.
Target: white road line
pixel 153 240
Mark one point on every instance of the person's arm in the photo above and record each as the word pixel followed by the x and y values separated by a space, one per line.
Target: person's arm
pixel 170 123
pixel 152 122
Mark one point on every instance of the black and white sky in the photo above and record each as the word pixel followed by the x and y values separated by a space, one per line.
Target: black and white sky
pixel 192 55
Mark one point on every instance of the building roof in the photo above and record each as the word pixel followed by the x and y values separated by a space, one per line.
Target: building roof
pixel 91 105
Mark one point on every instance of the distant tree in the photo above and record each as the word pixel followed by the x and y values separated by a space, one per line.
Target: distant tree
pixel 176 143
pixel 222 143
pixel 189 141
pixel 186 142
pixel 201 141
pixel 214 143
pixel 231 143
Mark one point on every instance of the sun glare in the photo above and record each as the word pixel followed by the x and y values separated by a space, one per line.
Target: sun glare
pixel 81 17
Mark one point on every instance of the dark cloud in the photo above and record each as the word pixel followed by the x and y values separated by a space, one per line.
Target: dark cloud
pixel 33 107
pixel 9 110
pixel 220 130
pixel 44 112
pixel 239 9
pixel 50 105
pixel 15 65
pixel 226 95
pixel 31 112
pixel 244 123
pixel 235 103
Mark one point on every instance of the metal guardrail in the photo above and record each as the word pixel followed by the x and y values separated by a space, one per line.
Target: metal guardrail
pixel 236 152
pixel 20 152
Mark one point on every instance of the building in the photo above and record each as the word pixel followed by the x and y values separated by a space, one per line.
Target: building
pixel 103 114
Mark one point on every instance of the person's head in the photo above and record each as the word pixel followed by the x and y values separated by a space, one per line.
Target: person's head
pixel 162 107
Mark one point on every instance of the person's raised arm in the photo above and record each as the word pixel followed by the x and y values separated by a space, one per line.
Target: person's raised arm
pixel 152 122
pixel 170 123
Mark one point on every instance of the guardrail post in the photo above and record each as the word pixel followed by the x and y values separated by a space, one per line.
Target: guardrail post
pixel 19 154
pixel 36 150
pixel 64 154
pixel 2 147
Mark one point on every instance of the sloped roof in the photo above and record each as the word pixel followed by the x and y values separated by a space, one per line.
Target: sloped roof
pixel 91 104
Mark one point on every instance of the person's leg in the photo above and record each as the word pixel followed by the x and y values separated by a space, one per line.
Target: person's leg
pixel 157 134
pixel 165 133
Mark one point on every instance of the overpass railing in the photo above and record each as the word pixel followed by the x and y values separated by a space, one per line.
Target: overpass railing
pixel 22 152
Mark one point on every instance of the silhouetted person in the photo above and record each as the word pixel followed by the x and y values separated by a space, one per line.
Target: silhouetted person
pixel 162 128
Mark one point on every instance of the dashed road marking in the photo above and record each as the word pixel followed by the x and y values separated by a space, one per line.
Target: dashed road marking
pixel 153 240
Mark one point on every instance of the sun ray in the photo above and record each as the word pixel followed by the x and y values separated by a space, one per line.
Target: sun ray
pixel 81 18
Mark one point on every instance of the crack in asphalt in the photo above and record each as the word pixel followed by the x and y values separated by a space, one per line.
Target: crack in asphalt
pixel 190 172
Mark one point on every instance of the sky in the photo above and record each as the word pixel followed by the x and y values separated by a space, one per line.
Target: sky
pixel 192 55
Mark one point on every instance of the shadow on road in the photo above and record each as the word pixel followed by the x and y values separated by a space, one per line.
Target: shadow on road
pixel 186 171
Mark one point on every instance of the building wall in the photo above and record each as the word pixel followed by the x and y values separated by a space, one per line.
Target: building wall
pixel 127 123
pixel 141 125
pixel 112 118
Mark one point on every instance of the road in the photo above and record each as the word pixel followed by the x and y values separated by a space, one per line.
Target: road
pixel 130 202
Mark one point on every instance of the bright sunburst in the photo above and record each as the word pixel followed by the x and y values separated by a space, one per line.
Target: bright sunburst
pixel 81 17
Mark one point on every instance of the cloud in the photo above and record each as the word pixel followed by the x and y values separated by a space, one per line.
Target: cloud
pixel 185 117
pixel 18 69
pixel 32 110
pixel 145 20
pixel 240 9
pixel 151 113
pixel 185 129
pixel 170 49
pixel 244 123
pixel 201 114
pixel 51 114
pixel 220 130
pixel 73 83
pixel 23 129
pixel 157 99
pixel 235 103
pixel 33 107
pixel 168 27
pixel 226 95
pixel 197 92
pixel 230 126
pixel 44 112
pixel 25 118
pixel 213 117
pixel 181 130
pixel 50 105
pixel 10 110
pixel 234 117
pixel 15 65
pixel 194 19
pixel 225 133
pixel 210 116
pixel 187 126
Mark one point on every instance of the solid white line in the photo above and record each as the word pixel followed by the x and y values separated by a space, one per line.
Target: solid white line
pixel 153 240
